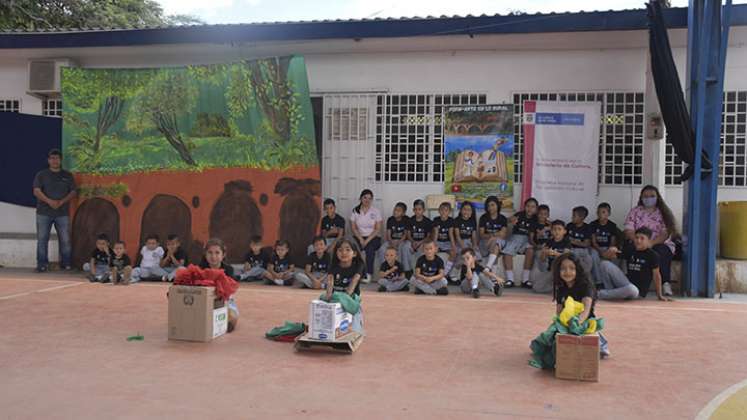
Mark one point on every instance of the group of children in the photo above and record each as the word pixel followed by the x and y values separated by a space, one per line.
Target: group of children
pixel 423 255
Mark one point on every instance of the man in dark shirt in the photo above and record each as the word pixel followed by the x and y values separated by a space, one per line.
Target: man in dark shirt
pixel 53 189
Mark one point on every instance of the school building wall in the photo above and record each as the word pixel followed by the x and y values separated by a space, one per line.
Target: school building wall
pixel 496 66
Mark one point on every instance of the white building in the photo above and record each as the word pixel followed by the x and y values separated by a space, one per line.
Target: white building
pixel 381 85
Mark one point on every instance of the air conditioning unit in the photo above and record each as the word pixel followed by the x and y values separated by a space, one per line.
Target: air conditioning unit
pixel 44 76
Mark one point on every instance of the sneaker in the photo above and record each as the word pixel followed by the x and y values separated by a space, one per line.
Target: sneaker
pixel 41 269
pixel 68 268
pixel 509 284
pixel 667 289
pixel 442 291
pixel 419 292
pixel 604 353
pixel 526 284
pixel 382 289
pixel 92 278
pixel 476 293
pixel 288 282
pixel 498 289
pixel 406 289
pixel 366 279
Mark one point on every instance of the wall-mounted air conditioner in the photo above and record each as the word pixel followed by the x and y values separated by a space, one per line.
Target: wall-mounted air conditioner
pixel 44 76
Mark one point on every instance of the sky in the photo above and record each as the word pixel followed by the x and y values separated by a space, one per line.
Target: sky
pixel 245 11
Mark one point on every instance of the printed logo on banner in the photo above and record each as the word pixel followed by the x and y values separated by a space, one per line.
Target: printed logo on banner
pixel 529 118
pixel 557 118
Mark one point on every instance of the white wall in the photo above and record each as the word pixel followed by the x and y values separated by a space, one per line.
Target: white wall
pixel 495 65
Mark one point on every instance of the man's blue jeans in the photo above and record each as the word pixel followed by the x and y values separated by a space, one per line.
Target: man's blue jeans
pixel 43 229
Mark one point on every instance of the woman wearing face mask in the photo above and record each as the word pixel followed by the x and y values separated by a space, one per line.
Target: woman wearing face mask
pixel 652 212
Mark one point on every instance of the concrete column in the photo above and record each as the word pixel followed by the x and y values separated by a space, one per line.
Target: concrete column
pixel 654 150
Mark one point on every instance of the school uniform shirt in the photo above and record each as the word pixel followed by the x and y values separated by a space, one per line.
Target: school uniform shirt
pixel 542 233
pixel 578 292
pixel 179 254
pixel 343 276
pixel 256 260
pixel 420 229
pixel 465 228
pixel 121 262
pixel 429 268
pixel 328 223
pixel 151 258
pixel 399 269
pixel 443 227
pixel 477 270
pixel 280 265
pixel 318 264
pixel 397 228
pixel 227 268
pixel 579 233
pixel 493 226
pixel 559 246
pixel 366 222
pixel 604 233
pixel 101 257
pixel 523 224
pixel 641 265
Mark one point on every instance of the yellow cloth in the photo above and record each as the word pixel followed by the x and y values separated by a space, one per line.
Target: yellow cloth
pixel 572 308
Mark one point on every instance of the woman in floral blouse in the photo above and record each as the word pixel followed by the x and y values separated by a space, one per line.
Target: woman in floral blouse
pixel 653 213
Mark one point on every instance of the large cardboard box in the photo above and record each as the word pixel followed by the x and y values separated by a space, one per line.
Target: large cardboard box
pixel 577 357
pixel 196 314
pixel 328 321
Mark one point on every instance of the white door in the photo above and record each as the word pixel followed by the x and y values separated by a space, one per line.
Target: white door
pixel 348 149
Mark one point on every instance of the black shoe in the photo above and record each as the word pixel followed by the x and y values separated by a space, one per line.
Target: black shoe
pixel 67 268
pixel 288 282
pixel 419 292
pixel 442 291
pixel 382 289
pixel 92 278
pixel 476 293
pixel 508 284
pixel 498 289
pixel 406 289
pixel 408 274
pixel 527 284
pixel 41 269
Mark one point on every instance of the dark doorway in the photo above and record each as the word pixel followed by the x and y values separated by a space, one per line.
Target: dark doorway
pixel 235 218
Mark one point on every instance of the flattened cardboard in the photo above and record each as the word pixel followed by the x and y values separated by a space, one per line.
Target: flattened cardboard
pixel 577 357
pixel 196 314
pixel 346 345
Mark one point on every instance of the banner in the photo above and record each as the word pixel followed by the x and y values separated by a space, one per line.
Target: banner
pixel 223 150
pixel 479 147
pixel 561 155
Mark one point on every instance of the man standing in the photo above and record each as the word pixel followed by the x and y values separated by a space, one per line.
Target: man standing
pixel 53 189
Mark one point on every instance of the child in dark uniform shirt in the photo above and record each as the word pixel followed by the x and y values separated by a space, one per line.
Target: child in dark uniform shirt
pixel 392 276
pixel 317 266
pixel 98 266
pixel 398 236
pixel 255 261
pixel 429 277
pixel 473 274
pixel 280 270
pixel 493 227
pixel 332 226
pixel 518 243
pixel 345 274
pixel 443 235
pixel 421 228
pixel 604 236
pixel 120 265
pixel 580 235
pixel 559 244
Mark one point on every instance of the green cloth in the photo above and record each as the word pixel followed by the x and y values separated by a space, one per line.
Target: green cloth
pixel 543 347
pixel 351 304
pixel 289 328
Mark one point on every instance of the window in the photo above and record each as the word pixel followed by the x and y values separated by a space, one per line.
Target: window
pixel 409 135
pixel 52 107
pixel 10 105
pixel 733 145
pixel 620 134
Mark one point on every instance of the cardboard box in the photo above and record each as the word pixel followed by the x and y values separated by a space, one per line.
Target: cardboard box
pixel 577 357
pixel 196 314
pixel 346 345
pixel 328 321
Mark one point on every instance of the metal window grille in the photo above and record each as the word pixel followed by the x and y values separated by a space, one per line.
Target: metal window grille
pixel 620 134
pixel 10 105
pixel 52 107
pixel 733 160
pixel 410 135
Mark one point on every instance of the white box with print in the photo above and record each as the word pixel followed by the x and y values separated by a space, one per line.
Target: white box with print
pixel 328 321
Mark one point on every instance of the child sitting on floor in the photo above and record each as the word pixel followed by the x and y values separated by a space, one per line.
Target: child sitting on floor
pixel 493 230
pixel 580 233
pixel 150 261
pixel 174 259
pixel 392 276
pixel 255 261
pixel 332 226
pixel 98 265
pixel 473 274
pixel 280 270
pixel 556 246
pixel 345 272
pixel 214 258
pixel 317 266
pixel 120 265
pixel 604 235
pixel 429 275
pixel 443 235
pixel 570 279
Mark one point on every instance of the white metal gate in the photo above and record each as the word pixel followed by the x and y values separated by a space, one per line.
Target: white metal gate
pixel 348 149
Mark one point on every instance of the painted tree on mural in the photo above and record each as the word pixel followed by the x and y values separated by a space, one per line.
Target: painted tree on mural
pixel 166 97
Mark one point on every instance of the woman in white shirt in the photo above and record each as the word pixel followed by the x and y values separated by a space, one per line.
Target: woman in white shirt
pixel 366 223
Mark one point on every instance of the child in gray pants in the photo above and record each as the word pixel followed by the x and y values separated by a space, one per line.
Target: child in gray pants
pixel 317 265
pixel 255 262
pixel 429 275
pixel 392 273
pixel 473 274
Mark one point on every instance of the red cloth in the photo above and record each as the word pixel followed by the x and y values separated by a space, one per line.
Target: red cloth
pixel 195 276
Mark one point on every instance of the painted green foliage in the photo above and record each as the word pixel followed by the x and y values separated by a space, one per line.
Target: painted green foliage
pixel 246 114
